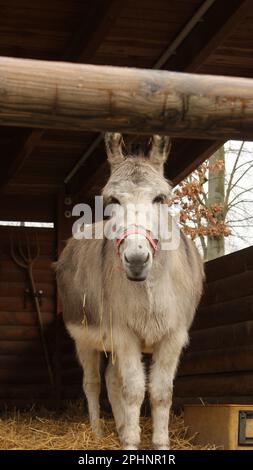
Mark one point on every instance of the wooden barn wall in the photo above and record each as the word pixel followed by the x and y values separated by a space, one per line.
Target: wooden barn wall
pixel 23 372
pixel 217 366
pixel 24 378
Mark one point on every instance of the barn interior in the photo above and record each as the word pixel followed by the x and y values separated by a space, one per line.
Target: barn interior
pixel 44 172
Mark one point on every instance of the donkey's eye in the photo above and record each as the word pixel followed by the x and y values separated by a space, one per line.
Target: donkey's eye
pixel 159 199
pixel 114 200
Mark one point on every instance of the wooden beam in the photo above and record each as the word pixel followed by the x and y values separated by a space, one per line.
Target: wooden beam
pixel 217 23
pixel 94 169
pixel 101 98
pixel 21 207
pixel 23 145
pixel 85 41
pixel 93 28
pixel 187 155
pixel 10 154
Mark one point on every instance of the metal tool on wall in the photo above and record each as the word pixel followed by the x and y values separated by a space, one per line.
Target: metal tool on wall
pixel 25 256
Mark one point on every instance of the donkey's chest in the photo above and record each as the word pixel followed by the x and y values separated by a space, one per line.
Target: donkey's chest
pixel 150 327
pixel 150 316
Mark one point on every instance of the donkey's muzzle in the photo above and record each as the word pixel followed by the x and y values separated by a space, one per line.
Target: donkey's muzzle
pixel 136 246
pixel 136 264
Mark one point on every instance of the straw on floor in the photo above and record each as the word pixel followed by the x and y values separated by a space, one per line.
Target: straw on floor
pixel 49 430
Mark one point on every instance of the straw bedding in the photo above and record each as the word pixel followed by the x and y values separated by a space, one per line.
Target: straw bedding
pixel 51 430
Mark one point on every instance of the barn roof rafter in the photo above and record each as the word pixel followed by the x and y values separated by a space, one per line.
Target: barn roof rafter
pixel 130 34
pixel 81 47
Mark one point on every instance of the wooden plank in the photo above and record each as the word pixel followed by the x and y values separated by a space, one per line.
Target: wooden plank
pixel 12 363
pixel 40 264
pixel 217 24
pixel 236 359
pixel 224 313
pixel 225 336
pixel 28 402
pixel 23 376
pixel 22 347
pixel 26 392
pixel 233 287
pixel 16 304
pixel 16 289
pixel 45 234
pixel 102 98
pixel 228 265
pixel 237 384
pixel 25 318
pixel 63 232
pixel 179 402
pixel 47 250
pixel 18 332
pixel 93 28
pixel 16 275
pixel 24 208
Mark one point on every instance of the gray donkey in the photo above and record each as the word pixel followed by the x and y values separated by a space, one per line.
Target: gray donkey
pixel 126 295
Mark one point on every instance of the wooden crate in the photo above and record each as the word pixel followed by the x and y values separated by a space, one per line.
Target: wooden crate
pixel 226 426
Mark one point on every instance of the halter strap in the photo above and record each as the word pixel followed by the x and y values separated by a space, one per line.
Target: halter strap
pixel 137 231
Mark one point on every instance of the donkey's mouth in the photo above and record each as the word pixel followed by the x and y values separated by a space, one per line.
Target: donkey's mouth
pixel 137 273
pixel 137 278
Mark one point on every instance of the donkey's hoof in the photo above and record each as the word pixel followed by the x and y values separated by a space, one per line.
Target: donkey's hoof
pixel 98 430
pixel 100 433
pixel 161 447
pixel 129 447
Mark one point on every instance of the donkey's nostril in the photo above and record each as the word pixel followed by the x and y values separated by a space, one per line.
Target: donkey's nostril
pixel 146 260
pixel 126 258
pixel 136 259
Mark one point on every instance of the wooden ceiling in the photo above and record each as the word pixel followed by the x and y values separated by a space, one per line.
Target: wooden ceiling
pixel 129 33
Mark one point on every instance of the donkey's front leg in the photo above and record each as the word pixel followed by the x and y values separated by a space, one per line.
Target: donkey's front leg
pixel 133 389
pixel 90 361
pixel 165 359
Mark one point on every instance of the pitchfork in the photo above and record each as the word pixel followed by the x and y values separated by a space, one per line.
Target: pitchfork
pixel 25 258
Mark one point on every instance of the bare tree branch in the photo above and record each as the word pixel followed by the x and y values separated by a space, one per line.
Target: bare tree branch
pixel 240 220
pixel 239 179
pixel 242 164
pixel 231 177
pixel 237 197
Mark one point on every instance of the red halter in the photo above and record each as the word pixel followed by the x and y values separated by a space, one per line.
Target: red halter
pixel 137 231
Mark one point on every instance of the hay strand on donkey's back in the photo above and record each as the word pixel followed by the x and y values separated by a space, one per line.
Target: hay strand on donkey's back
pixel 49 430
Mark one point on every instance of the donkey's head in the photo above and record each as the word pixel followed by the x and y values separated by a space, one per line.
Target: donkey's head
pixel 134 192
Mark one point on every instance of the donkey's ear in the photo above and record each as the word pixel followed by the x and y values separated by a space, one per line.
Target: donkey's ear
pixel 160 146
pixel 113 144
